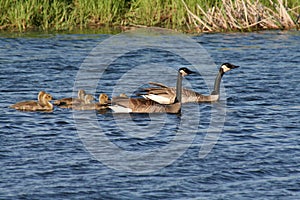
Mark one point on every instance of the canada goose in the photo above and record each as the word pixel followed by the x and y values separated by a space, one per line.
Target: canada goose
pixel 88 98
pixel 71 100
pixel 102 104
pixel 166 95
pixel 42 104
pixel 141 105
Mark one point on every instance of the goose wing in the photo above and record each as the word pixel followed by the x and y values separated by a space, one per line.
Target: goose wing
pixel 120 105
pixel 161 94
pixel 141 105
pixel 121 101
pixel 124 104
pixel 158 84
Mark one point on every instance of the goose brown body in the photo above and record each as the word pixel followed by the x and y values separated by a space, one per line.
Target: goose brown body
pixel 88 98
pixel 141 105
pixel 102 104
pixel 43 103
pixel 70 100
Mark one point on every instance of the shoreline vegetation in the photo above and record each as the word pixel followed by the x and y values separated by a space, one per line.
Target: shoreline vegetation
pixel 193 16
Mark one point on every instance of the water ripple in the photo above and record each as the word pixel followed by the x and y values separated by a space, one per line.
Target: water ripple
pixel 256 157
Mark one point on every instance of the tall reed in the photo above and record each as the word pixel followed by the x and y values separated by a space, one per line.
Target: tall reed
pixel 190 15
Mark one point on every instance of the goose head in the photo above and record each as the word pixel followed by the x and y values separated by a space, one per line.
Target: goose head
pixel 225 67
pixel 103 99
pixel 185 71
pixel 44 98
pixel 47 97
pixel 81 94
pixel 40 95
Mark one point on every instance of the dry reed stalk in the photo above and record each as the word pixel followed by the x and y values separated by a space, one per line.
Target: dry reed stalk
pixel 245 12
pixel 287 20
pixel 229 14
pixel 208 20
pixel 196 18
pixel 242 15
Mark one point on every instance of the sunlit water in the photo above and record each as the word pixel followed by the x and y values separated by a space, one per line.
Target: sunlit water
pixel 257 155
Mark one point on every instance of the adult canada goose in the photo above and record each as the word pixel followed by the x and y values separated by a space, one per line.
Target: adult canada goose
pixel 71 100
pixel 141 105
pixel 166 95
pixel 42 104
pixel 102 104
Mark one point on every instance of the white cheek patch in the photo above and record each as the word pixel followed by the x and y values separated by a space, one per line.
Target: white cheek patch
pixel 183 73
pixel 225 68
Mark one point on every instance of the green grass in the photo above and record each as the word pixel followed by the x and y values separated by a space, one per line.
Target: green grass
pixel 188 15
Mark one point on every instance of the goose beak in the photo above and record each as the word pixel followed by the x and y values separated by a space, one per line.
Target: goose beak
pixel 192 72
pixel 234 66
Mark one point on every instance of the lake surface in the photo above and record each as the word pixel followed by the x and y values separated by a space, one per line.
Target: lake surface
pixel 253 153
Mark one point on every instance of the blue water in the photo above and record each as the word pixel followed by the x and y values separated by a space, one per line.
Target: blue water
pixel 256 156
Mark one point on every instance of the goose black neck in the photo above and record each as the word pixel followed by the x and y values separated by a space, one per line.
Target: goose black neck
pixel 216 90
pixel 178 88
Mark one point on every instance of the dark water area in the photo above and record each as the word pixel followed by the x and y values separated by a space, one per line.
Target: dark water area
pixel 255 156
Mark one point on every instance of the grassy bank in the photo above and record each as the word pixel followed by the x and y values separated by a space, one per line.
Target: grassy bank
pixel 187 15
